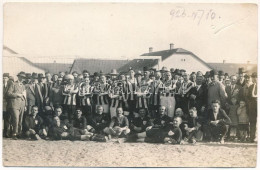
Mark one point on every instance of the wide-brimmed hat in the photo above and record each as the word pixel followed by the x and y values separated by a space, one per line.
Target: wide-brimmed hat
pixel 96 74
pixel 172 70
pixel 247 76
pixel 213 73
pixel 6 75
pixel 164 69
pixel 241 70
pixel 114 72
pixel 34 76
pixel 207 74
pixel 254 75
pixel 145 69
pixel 41 76
pixel 221 73
pixel 28 75
pixel 21 74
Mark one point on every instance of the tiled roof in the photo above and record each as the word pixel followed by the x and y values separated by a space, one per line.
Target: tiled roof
pixel 232 68
pixel 138 64
pixel 54 67
pixel 95 65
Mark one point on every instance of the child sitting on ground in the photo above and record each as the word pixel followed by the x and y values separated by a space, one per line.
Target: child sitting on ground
pixel 243 120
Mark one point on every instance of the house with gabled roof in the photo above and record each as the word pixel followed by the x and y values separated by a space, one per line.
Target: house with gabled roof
pixel 177 58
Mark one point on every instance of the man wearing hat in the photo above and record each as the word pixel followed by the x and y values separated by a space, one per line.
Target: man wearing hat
pixel 216 90
pixel 34 95
pixel 241 79
pixel 17 104
pixel 221 76
pixel 244 91
pixel 44 90
pixel 6 114
pixel 28 78
pixel 252 107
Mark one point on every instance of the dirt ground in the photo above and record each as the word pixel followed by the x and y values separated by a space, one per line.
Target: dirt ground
pixel 114 154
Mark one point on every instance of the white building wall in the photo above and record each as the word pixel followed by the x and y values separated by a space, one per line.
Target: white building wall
pixel 186 62
pixel 14 65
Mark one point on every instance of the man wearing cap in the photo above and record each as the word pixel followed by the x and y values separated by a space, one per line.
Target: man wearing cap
pixel 241 78
pixel 252 107
pixel 34 95
pixel 17 104
pixel 216 90
pixel 6 114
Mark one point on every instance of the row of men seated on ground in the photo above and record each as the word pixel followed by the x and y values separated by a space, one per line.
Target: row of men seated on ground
pixel 162 129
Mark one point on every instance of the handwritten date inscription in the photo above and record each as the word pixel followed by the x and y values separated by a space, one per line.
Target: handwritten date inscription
pixel 197 16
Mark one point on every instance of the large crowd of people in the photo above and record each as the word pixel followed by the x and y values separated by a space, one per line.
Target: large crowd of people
pixel 158 106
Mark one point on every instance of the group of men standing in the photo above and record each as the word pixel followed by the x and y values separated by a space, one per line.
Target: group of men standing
pixel 131 91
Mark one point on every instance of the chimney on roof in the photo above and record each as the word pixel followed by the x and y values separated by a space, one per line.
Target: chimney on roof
pixel 224 61
pixel 150 49
pixel 171 46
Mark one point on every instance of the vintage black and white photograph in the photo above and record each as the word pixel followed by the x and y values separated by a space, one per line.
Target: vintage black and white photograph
pixel 113 84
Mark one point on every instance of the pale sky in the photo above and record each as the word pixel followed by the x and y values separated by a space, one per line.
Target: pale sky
pixel 105 30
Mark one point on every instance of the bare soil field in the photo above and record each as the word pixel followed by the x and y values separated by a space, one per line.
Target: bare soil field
pixel 114 154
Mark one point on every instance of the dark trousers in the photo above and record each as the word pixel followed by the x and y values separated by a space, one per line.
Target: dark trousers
pixel 252 130
pixel 7 123
pixel 218 131
pixel 69 111
pixel 87 111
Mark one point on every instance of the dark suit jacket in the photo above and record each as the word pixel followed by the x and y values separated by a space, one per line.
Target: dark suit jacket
pixel 34 97
pixel 201 97
pixel 252 104
pixel 16 102
pixel 231 93
pixel 44 91
pixel 222 117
